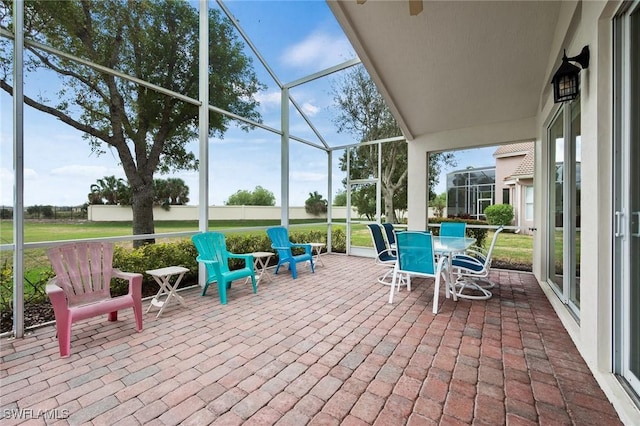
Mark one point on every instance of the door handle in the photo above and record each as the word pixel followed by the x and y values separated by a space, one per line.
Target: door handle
pixel 618 232
pixel 637 215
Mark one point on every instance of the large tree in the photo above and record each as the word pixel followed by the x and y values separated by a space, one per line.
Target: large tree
pixel 364 114
pixel 258 197
pixel 152 40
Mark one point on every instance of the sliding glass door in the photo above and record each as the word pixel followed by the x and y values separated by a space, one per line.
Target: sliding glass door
pixel 564 183
pixel 626 215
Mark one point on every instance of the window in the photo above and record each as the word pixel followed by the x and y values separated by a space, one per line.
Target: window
pixel 528 203
pixel 506 192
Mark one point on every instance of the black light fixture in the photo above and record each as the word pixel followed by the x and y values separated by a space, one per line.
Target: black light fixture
pixel 566 81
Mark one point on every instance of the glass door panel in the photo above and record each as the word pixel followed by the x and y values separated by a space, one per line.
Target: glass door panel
pixel 633 280
pixel 574 284
pixel 556 205
pixel 626 225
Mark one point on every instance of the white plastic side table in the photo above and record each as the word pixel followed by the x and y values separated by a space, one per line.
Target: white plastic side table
pixel 163 278
pixel 316 249
pixel 260 263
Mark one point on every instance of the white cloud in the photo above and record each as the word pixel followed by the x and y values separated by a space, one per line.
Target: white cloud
pixel 268 100
pixel 310 109
pixel 318 51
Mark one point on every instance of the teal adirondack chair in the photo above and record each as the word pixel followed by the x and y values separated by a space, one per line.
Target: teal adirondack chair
pixel 213 253
pixel 282 245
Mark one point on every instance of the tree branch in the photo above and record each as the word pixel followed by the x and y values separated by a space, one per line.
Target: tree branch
pixel 68 73
pixel 60 115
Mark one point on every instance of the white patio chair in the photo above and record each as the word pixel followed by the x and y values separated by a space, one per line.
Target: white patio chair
pixel 472 270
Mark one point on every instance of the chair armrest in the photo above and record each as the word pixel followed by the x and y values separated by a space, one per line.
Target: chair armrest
pixel 53 289
pixel 206 261
pixel 307 247
pixel 443 264
pixel 135 281
pixel 390 252
pixel 477 254
pixel 248 259
pixel 117 273
pixel 57 296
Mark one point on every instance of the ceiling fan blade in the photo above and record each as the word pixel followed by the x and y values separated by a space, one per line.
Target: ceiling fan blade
pixel 415 7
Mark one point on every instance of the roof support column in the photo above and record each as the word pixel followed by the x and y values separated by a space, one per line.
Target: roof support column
pixel 329 198
pixel 18 169
pixel 284 158
pixel 203 128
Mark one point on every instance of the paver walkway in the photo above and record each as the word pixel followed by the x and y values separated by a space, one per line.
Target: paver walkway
pixel 325 349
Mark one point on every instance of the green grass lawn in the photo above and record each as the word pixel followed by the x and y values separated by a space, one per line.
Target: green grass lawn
pixel 38 231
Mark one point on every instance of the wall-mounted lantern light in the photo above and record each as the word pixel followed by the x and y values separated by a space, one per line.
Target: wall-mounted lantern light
pixel 566 81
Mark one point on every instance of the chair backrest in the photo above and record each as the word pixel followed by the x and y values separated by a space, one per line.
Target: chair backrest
pixel 453 229
pixel 487 262
pixel 388 229
pixel 379 243
pixel 83 270
pixel 415 252
pixel 212 246
pixel 279 236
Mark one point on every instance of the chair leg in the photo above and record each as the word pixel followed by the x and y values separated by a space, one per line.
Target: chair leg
pixel 436 294
pixel 222 290
pixel 384 279
pixel 393 285
pixel 480 293
pixel 294 272
pixel 253 283
pixel 64 336
pixel 312 267
pixel 204 290
pixel 485 283
pixel 137 313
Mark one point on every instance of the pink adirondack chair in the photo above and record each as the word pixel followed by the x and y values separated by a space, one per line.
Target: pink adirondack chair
pixel 81 287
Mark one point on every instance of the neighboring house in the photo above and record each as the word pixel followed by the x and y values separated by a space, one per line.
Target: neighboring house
pixel 510 181
pixel 470 191
pixel 514 181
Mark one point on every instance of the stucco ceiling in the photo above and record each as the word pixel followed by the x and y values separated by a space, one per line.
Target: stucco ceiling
pixel 456 64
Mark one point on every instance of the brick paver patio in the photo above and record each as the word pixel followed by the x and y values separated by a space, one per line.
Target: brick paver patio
pixel 325 349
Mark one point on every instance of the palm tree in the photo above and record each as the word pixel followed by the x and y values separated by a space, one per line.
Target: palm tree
pixel 177 191
pixel 108 190
pixel 315 204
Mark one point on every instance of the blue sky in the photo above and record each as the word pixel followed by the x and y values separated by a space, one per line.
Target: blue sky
pixel 296 38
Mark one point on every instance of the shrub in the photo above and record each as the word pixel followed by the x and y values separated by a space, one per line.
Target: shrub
pixel 499 214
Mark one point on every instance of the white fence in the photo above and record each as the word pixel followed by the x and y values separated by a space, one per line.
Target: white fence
pixel 102 213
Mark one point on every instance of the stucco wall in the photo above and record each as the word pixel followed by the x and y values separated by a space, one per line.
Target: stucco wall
pixel 99 213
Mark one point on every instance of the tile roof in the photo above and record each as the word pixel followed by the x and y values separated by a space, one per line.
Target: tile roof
pixel 526 166
pixel 514 148
pixel 524 149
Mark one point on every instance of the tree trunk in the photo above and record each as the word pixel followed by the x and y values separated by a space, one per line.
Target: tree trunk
pixel 389 211
pixel 143 213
